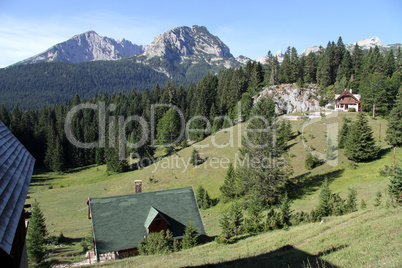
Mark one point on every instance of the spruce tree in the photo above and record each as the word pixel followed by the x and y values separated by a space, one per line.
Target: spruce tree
pixel 389 63
pixel 394 131
pixel 190 238
pixel 261 154
pixel 168 129
pixel 351 204
pixel 4 116
pixel 36 237
pixel 229 187
pixel 343 133
pixel 361 145
pixel 285 210
pixel 395 186
pixel 325 200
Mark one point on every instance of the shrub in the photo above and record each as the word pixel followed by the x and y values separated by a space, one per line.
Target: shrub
pixel 352 110
pixel 311 161
pixel 190 238
pixel 377 200
pixel 363 204
pixel 195 158
pixel 156 243
pixel 395 186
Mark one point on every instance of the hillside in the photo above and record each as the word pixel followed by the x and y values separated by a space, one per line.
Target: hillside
pixel 63 201
pixel 361 239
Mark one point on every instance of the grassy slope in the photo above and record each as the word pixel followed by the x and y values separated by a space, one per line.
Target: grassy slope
pixel 364 238
pixel 65 204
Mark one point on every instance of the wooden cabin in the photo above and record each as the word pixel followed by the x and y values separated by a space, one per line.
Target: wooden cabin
pixel 16 167
pixel 347 100
pixel 121 222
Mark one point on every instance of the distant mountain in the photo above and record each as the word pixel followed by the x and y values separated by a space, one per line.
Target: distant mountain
pixel 84 47
pixel 90 64
pixel 184 45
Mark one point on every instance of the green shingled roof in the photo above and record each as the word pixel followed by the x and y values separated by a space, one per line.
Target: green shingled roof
pixel 119 222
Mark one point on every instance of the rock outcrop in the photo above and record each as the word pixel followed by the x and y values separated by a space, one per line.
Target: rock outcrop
pixel 289 98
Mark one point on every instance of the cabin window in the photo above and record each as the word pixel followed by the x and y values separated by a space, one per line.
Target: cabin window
pixel 158 222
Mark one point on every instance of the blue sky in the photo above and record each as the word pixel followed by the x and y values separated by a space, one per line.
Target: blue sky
pixel 249 28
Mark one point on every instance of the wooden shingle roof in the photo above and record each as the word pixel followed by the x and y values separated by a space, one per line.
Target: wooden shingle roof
pixel 119 222
pixel 16 167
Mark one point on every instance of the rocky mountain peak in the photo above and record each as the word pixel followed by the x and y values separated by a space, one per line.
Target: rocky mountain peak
pixel 369 42
pixel 185 41
pixel 88 46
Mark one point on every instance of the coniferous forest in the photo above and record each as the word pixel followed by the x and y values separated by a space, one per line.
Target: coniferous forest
pixel 374 75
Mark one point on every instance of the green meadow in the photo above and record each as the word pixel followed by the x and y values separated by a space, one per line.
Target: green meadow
pixel 364 238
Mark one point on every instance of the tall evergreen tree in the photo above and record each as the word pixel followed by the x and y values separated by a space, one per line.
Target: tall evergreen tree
pixel 190 238
pixel 229 189
pixel 260 146
pixel 357 60
pixel 374 93
pixel 394 131
pixel 169 129
pixel 36 237
pixel 361 145
pixel 395 186
pixel 310 68
pixel 389 63
pixel 4 116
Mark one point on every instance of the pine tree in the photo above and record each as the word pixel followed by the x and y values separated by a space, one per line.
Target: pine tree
pixel 351 204
pixel 195 159
pixel 310 68
pixel 260 147
pixel 190 238
pixel 389 63
pixel 4 116
pixel 357 58
pixel 285 210
pixel 343 133
pixel 345 69
pixel 169 129
pixel 36 241
pixel 374 92
pixel 395 186
pixel 394 131
pixel 200 193
pixel 229 187
pixel 361 145
pixel 330 150
pixel 398 63
pixel 254 208
pixel 325 200
pixel 377 199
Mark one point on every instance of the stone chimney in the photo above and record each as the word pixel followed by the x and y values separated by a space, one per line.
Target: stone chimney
pixel 351 91
pixel 138 186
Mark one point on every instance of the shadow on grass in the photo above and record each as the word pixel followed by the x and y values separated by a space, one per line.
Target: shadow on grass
pixel 383 152
pixel 305 184
pixel 286 256
pixel 204 239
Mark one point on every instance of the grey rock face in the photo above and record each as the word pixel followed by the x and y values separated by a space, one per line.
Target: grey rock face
pixel 88 46
pixel 185 41
pixel 289 98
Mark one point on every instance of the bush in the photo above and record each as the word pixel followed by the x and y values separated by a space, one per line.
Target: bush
pixel 377 200
pixel 312 162
pixel 352 110
pixel 157 243
pixel 190 238
pixel 195 158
